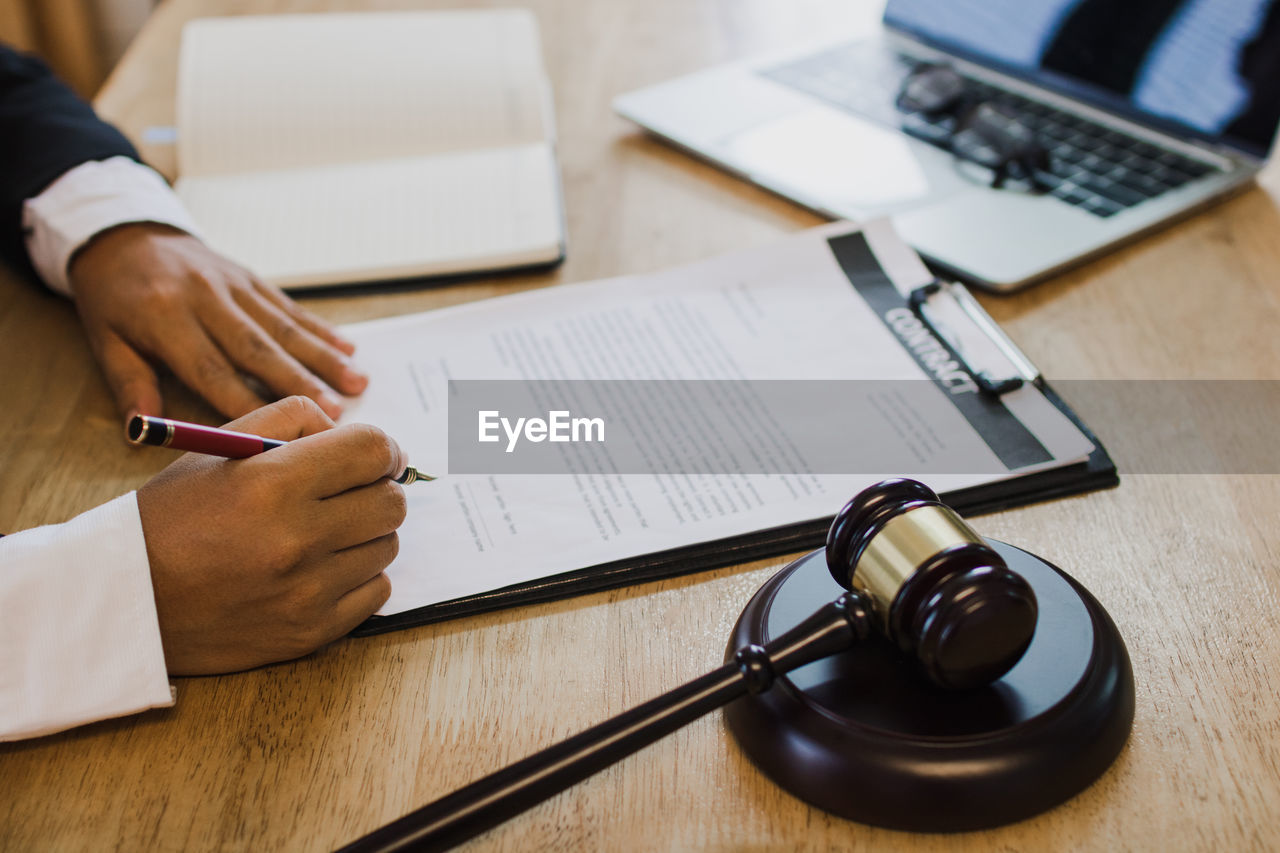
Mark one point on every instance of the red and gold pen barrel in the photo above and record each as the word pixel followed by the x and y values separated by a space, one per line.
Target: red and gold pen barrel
pixel 179 435
pixel 162 432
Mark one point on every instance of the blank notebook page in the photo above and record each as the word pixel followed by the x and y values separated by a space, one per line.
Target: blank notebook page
pixel 394 219
pixel 340 148
pixel 273 92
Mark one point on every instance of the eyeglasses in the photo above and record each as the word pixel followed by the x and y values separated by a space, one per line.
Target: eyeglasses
pixel 975 130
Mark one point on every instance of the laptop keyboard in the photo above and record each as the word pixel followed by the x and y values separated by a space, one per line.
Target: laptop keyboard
pixel 1095 168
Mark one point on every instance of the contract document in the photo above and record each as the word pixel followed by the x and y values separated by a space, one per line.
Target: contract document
pixel 818 322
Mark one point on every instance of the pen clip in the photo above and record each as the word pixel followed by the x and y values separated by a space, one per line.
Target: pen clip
pixel 1024 370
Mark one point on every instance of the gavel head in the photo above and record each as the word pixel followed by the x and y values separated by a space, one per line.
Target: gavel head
pixel 936 588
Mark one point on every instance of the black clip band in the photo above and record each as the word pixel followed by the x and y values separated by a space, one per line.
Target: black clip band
pixel 986 383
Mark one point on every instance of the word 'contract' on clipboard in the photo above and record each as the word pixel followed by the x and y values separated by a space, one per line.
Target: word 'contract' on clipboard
pixel 612 432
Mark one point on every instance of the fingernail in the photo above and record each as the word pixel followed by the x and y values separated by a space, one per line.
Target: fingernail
pixel 354 378
pixel 330 403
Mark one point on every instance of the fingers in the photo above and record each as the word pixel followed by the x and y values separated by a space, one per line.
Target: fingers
pixel 340 459
pixel 303 317
pixel 132 381
pixel 351 568
pixel 256 353
pixel 286 420
pixel 321 356
pixel 205 369
pixel 359 587
pixel 359 604
pixel 335 621
pixel 360 515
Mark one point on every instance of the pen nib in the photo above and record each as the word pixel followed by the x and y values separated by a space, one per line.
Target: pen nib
pixel 413 475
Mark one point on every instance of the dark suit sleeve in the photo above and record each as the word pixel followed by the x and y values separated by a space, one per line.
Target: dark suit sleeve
pixel 45 129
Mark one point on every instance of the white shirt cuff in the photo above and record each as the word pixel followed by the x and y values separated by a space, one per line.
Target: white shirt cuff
pixel 79 638
pixel 89 199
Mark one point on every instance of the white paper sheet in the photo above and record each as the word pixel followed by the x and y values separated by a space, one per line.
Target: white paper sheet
pixel 785 311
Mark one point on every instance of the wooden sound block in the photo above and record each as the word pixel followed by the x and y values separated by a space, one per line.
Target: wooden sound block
pixel 865 736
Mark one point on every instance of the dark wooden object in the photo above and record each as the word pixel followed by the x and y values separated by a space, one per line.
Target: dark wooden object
pixel 859 735
pixel 944 597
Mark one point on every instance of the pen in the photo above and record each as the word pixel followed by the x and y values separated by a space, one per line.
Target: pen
pixel 180 435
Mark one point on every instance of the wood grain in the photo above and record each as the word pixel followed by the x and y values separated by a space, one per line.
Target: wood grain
pixel 311 754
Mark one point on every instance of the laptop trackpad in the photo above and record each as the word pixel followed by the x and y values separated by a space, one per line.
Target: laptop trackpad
pixel 842 164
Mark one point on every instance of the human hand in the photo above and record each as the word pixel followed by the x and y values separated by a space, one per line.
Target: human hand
pixel 150 292
pixel 268 558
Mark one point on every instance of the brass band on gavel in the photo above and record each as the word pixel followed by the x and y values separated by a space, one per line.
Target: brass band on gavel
pixel 904 544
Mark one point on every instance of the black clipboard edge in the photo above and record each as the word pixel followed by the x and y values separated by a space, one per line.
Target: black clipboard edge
pixel 1096 472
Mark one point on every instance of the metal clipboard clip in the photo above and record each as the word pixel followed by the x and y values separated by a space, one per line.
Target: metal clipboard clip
pixel 935 295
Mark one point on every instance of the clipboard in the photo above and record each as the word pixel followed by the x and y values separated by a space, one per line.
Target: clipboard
pixel 968 334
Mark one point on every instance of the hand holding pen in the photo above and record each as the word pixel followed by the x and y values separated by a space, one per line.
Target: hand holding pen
pixel 272 557
pixel 229 444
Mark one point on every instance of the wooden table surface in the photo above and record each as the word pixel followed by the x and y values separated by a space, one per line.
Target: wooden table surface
pixel 311 754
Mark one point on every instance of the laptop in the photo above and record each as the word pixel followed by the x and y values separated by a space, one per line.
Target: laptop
pixel 1143 111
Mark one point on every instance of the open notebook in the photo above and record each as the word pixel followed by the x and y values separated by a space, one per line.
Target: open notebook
pixel 341 148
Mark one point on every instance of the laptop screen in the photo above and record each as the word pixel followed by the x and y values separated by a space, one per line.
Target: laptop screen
pixel 1208 67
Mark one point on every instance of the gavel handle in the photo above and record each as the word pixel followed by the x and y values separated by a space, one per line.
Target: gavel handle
pixel 488 802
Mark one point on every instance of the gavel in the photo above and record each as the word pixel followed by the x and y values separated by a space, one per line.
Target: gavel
pixel 915 572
